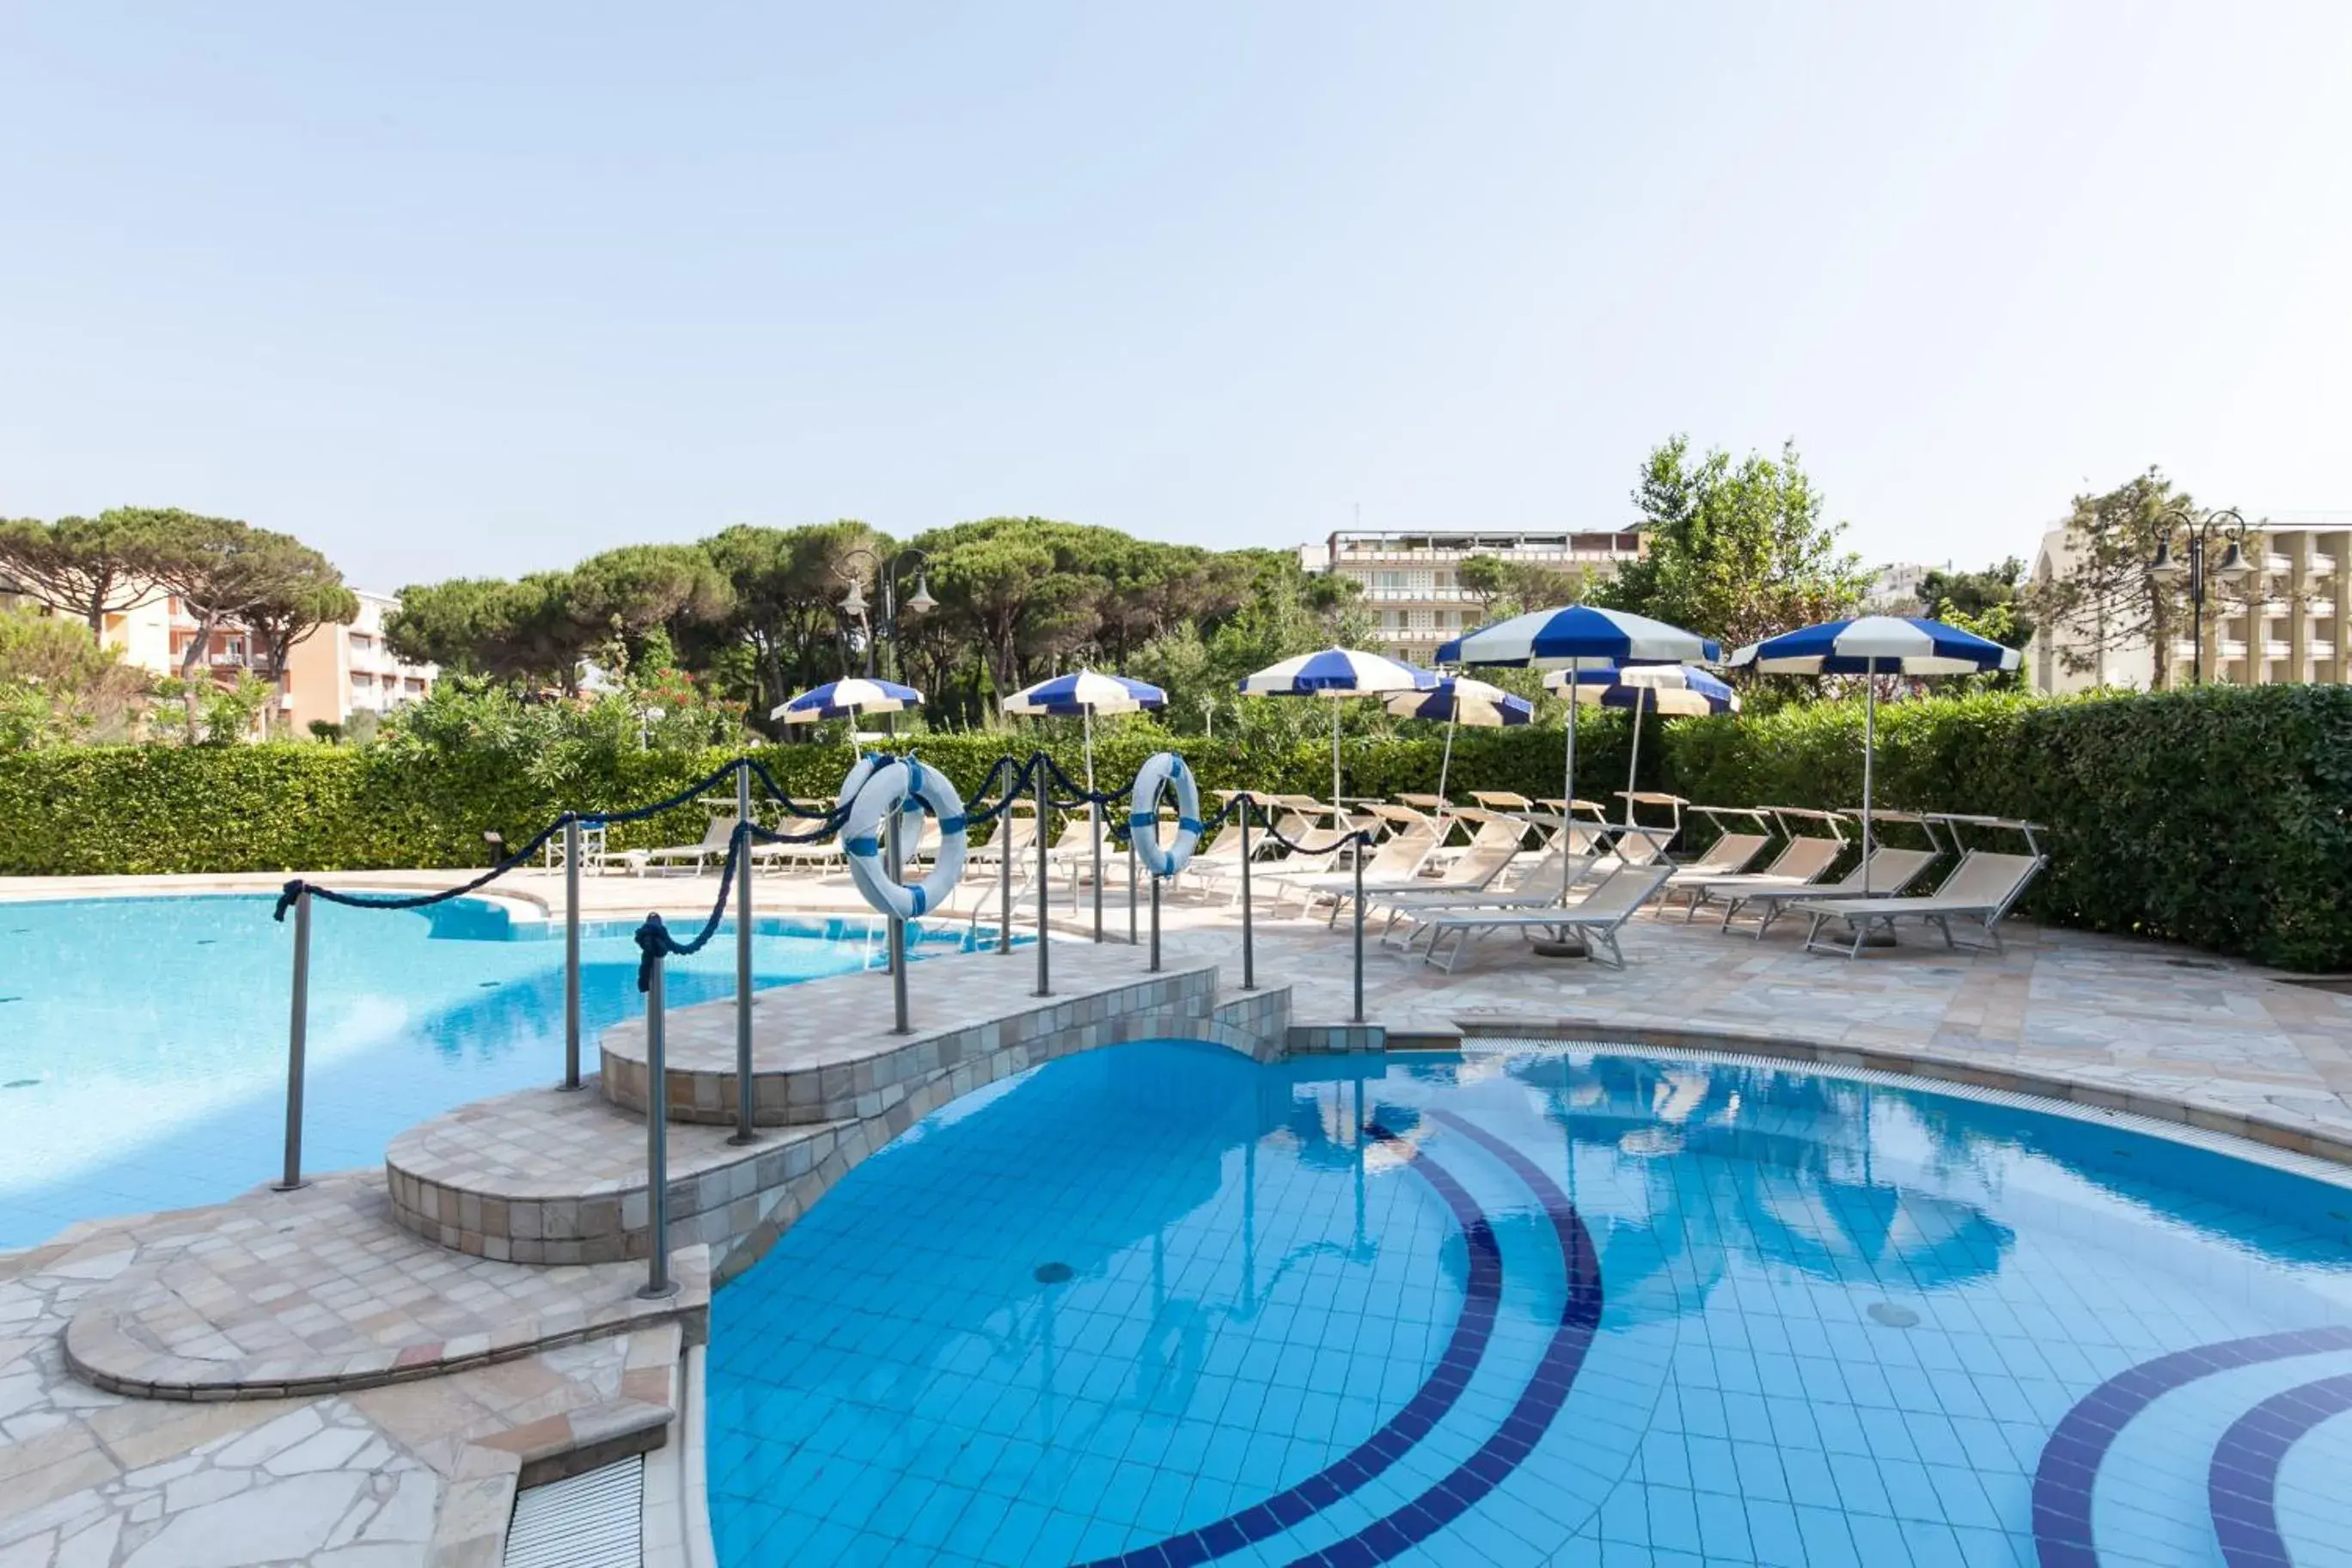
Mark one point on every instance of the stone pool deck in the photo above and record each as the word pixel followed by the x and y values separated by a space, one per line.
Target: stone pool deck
pixel 317 1299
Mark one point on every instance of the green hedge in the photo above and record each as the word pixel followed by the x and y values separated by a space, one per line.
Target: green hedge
pixel 2216 817
pixel 291 806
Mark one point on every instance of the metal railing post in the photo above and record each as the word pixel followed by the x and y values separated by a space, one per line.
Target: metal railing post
pixel 1094 816
pixel 571 951
pixel 1249 943
pixel 1155 925
pixel 1362 842
pixel 1131 894
pixel 1005 878
pixel 1044 966
pixel 657 1280
pixel 896 849
pixel 298 1031
pixel 745 1131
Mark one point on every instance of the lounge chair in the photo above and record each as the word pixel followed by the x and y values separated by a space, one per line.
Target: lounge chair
pixel 1597 919
pixel 1540 882
pixel 1471 873
pixel 712 850
pixel 1735 849
pixel 1983 887
pixel 818 854
pixel 1394 865
pixel 1888 872
pixel 1805 859
pixel 1017 833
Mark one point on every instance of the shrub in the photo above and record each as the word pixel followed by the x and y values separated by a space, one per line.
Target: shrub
pixel 2216 817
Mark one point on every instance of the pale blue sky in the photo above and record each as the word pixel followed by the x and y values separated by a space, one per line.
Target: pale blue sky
pixel 462 289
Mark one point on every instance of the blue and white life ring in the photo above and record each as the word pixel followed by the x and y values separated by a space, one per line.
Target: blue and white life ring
pixel 1161 771
pixel 879 787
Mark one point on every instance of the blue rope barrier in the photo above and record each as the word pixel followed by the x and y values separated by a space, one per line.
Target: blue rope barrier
pixel 297 887
pixel 653 938
pixel 776 792
pixel 639 813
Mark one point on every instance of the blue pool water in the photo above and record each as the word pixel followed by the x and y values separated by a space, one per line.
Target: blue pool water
pixel 1156 1306
pixel 142 1040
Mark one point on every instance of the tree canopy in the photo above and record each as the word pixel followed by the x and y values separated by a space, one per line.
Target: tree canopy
pixel 2100 595
pixel 1736 550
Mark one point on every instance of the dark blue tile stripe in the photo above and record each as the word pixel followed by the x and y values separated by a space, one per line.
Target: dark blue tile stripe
pixel 1482 1294
pixel 2071 1458
pixel 2243 1480
pixel 1531 1416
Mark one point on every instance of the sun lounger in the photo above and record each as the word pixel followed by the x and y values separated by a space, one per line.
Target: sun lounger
pixel 1597 919
pixel 1541 883
pixel 1891 870
pixel 1392 865
pixel 1983 887
pixel 695 857
pixel 1805 859
pixel 1735 849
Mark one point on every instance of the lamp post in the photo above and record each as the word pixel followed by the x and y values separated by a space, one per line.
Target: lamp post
pixel 2231 569
pixel 887 573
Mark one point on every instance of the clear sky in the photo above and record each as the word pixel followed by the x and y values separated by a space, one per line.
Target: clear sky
pixel 465 288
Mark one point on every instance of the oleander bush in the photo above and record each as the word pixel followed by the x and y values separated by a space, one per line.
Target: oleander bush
pixel 2216 817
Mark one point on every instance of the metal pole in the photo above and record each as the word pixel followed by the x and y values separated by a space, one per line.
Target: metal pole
pixel 744 1134
pixel 1044 966
pixel 657 1280
pixel 1568 789
pixel 1249 946
pixel 1131 894
pixel 1094 816
pixel 571 952
pixel 1005 879
pixel 298 1031
pixel 2196 608
pixel 1155 925
pixel 897 851
pixel 1869 744
pixel 1360 846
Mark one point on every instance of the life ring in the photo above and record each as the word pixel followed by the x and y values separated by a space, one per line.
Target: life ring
pixel 1152 780
pixel 903 786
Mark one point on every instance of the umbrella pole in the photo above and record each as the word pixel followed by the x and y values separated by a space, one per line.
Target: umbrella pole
pixel 1634 764
pixel 1337 815
pixel 1094 816
pixel 1445 765
pixel 1568 792
pixel 1869 744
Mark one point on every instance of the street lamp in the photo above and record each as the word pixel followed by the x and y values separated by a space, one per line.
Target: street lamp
pixel 887 573
pixel 2231 569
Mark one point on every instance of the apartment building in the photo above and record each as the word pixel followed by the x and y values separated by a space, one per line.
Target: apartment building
pixel 340 671
pixel 335 671
pixel 2281 624
pixel 1410 582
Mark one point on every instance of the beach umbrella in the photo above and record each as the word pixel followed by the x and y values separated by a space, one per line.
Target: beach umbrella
pixel 1083 695
pixel 1582 638
pixel 1458 699
pixel 847 699
pixel 1871 647
pixel 1674 689
pixel 1332 674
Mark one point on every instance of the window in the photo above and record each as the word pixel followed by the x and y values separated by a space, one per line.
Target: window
pixel 362 678
pixel 1387 579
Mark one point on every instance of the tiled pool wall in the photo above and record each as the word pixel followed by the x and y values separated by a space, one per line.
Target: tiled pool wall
pixel 842 1115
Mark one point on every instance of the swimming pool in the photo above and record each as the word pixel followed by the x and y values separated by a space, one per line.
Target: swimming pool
pixel 142 1040
pixel 1156 1306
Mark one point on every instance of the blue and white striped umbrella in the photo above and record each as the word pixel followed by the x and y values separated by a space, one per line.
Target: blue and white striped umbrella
pixel 1083 695
pixel 1581 637
pixel 1676 689
pixel 1871 647
pixel 847 699
pixel 1458 699
pixel 1336 672
pixel 1876 646
pixel 1086 693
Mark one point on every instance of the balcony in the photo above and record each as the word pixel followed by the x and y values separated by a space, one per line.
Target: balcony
pixel 2318 564
pixel 1419 595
